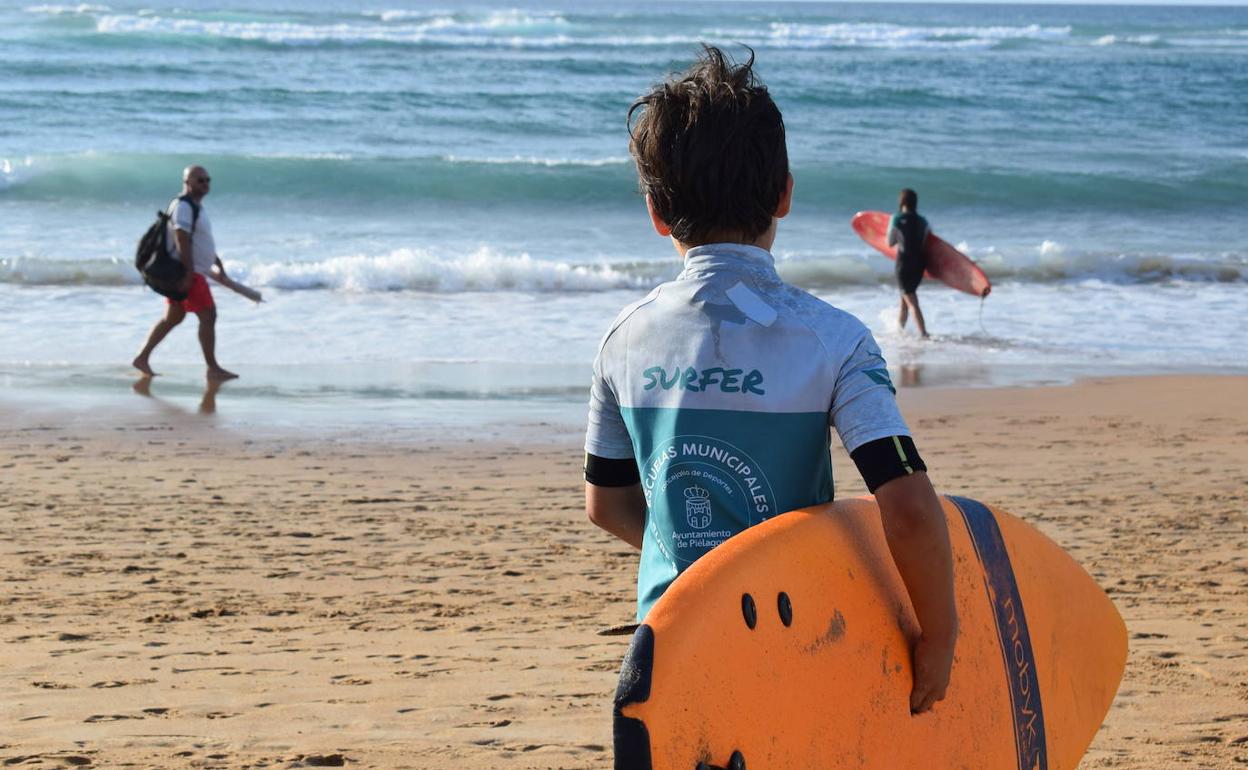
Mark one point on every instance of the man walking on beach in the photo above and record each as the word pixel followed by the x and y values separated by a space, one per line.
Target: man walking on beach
pixel 191 231
pixel 728 365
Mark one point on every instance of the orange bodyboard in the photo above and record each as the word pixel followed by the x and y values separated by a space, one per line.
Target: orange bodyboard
pixel 944 263
pixel 822 679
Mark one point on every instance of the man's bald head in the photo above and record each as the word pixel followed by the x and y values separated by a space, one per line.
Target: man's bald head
pixel 195 181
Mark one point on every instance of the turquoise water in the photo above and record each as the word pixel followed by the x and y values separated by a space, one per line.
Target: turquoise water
pixel 423 187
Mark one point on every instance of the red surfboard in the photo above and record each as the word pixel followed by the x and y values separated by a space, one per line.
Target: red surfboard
pixel 944 263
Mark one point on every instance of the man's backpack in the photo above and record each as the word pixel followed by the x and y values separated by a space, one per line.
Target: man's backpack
pixel 153 258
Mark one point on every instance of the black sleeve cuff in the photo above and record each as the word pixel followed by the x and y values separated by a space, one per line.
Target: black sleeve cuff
pixel 885 459
pixel 608 472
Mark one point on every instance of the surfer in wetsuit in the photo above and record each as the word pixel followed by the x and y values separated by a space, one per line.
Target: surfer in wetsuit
pixel 712 398
pixel 908 231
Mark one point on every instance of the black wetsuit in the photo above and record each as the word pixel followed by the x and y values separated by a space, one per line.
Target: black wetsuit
pixel 908 231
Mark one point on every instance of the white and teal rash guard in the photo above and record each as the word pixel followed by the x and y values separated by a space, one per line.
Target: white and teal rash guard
pixel 722 385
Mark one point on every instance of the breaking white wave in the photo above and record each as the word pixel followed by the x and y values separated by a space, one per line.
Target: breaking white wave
pixel 1144 40
pixel 419 270
pixel 512 27
pixel 885 35
pixel 489 269
pixel 82 9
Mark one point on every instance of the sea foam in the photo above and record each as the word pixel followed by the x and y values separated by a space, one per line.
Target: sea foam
pixel 491 269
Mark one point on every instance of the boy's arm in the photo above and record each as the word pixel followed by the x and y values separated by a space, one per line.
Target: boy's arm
pixel 918 539
pixel 866 416
pixel 614 499
pixel 619 510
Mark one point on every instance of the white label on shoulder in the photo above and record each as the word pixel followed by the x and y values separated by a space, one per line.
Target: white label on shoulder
pixel 752 305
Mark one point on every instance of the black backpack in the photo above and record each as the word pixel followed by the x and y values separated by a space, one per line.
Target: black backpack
pixel 161 270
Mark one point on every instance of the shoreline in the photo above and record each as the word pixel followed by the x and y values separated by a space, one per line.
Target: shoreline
pixel 406 405
pixel 182 597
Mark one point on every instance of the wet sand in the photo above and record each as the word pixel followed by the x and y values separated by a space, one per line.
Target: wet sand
pixel 182 597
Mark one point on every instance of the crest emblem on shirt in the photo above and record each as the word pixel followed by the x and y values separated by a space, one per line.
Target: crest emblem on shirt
pixel 697 507
pixel 719 489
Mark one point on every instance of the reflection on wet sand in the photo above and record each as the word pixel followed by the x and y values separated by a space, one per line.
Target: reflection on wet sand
pixel 207 403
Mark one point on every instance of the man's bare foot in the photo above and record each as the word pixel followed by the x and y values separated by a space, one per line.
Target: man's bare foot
pixel 219 374
pixel 143 366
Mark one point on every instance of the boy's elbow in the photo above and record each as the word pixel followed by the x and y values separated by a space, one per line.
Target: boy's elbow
pixel 595 516
pixel 614 508
pixel 598 507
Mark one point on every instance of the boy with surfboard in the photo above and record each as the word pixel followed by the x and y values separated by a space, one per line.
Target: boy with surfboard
pixel 713 397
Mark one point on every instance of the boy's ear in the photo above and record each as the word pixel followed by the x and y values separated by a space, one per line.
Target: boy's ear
pixel 660 227
pixel 786 200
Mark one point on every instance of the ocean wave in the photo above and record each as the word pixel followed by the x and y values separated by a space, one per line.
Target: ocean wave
pixel 524 28
pixel 1053 262
pixel 324 178
pixel 82 9
pixel 33 271
pixel 326 181
pixel 518 28
pixel 1139 40
pixel 490 270
pixel 419 270
pixel 1047 263
pixel 1235 43
pixel 513 18
pixel 400 270
pixel 514 28
pixel 531 160
pixel 883 35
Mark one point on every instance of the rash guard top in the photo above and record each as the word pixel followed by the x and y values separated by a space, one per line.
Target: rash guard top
pixel 722 385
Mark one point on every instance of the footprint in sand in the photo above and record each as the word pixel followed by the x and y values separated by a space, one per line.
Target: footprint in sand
pixel 323 760
pixel 121 683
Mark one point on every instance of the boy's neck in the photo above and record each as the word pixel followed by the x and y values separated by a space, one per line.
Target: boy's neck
pixel 764 241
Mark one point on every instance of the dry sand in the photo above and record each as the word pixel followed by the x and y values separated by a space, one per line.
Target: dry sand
pixel 178 597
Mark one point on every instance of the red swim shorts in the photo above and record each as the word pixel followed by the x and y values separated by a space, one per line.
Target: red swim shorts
pixel 198 298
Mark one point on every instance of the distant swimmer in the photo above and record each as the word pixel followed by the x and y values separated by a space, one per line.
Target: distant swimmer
pixel 191 231
pixel 908 231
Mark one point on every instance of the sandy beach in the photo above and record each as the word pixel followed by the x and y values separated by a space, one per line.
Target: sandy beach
pixel 180 596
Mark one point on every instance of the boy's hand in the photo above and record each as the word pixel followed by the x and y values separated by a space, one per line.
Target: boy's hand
pixel 918 538
pixel 933 658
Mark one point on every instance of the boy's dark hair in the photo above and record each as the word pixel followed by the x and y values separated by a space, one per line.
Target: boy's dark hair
pixel 908 199
pixel 710 151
